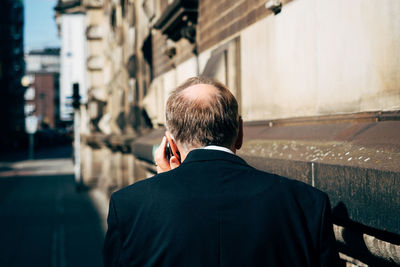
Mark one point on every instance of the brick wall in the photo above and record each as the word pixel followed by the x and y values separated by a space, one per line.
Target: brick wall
pixel 217 20
pixel 45 97
pixel 220 19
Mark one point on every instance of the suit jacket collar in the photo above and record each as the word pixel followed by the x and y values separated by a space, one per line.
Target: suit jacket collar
pixel 197 155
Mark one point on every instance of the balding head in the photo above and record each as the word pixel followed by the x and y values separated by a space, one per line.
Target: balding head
pixel 202 112
pixel 200 92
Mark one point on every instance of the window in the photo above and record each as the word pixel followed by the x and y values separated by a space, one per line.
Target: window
pixel 30 94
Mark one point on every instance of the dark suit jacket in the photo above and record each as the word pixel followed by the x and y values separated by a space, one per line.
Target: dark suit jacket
pixel 216 210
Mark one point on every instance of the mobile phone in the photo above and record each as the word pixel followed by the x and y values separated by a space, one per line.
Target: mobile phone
pixel 168 151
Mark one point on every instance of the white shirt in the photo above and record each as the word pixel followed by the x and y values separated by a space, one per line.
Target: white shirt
pixel 220 148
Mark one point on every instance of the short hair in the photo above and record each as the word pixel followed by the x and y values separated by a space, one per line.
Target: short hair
pixel 195 123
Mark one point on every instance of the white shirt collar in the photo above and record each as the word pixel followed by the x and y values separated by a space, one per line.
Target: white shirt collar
pixel 220 148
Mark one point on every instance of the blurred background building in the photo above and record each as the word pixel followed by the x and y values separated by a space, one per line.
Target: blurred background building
pixel 317 84
pixel 11 73
pixel 42 99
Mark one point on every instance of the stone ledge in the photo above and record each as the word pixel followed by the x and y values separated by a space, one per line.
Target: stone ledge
pixel 115 143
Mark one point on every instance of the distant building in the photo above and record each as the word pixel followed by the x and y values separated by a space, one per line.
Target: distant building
pixel 44 60
pixel 11 72
pixel 42 97
pixel 72 25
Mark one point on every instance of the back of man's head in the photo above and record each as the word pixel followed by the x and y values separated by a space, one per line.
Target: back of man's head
pixel 202 112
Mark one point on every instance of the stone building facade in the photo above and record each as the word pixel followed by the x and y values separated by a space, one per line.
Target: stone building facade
pixel 317 84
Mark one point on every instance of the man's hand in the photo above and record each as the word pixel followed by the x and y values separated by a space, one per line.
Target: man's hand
pixel 160 156
pixel 162 162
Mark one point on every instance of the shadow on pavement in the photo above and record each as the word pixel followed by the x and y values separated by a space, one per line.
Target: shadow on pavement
pixel 44 221
pixel 49 152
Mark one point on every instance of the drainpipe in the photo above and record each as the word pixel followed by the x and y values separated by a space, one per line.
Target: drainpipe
pixel 77 137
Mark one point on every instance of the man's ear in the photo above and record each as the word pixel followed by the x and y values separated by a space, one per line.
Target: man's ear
pixel 176 158
pixel 239 140
pixel 174 162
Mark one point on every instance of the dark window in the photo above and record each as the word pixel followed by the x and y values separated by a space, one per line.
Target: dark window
pixel 122 7
pixel 113 19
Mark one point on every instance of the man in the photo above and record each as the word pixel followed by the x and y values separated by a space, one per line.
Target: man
pixel 207 206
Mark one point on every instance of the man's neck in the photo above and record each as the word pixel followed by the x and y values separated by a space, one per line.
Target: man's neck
pixel 220 148
pixel 184 150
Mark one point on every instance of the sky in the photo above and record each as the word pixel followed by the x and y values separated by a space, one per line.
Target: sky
pixel 40 29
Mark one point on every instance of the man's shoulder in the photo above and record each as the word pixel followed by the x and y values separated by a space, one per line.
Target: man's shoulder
pixel 307 193
pixel 142 188
pixel 294 187
pixel 136 190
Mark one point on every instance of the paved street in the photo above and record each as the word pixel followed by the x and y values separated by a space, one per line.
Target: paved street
pixel 43 220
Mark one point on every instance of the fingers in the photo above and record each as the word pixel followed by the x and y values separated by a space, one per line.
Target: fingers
pixel 174 162
pixel 160 158
pixel 174 149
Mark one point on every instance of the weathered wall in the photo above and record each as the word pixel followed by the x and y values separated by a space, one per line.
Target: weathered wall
pixel 314 58
pixel 322 57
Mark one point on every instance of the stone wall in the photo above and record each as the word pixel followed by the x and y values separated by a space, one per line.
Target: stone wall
pixel 220 20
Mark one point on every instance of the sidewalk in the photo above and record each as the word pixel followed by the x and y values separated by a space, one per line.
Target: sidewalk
pixel 46 161
pixel 49 161
pixel 52 152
